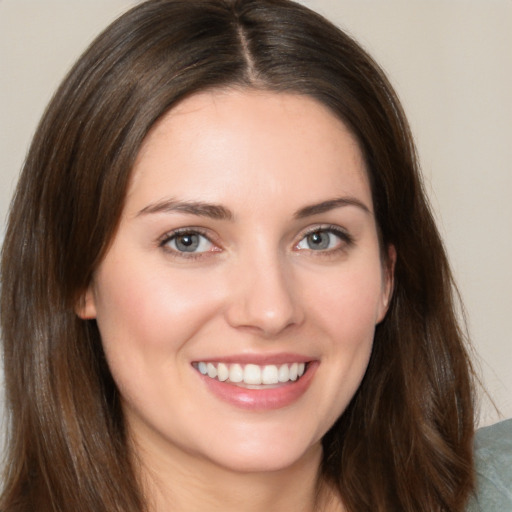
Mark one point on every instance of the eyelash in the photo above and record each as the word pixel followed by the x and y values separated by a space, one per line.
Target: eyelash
pixel 346 240
pixel 173 235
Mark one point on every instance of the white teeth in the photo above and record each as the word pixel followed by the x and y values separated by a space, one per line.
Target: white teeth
pixel 294 368
pixel 269 375
pixel 284 373
pixel 222 372
pixel 252 374
pixel 236 373
pixel 212 370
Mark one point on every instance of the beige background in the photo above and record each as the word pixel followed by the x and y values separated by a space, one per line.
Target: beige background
pixel 451 63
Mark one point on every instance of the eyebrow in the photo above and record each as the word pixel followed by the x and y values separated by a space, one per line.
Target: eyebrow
pixel 200 208
pixel 219 212
pixel 331 204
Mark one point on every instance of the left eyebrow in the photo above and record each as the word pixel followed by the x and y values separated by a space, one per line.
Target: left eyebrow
pixel 331 204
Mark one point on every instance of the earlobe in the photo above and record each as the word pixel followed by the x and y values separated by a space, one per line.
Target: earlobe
pixel 86 307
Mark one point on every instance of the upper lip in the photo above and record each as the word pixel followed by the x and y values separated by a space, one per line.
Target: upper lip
pixel 258 359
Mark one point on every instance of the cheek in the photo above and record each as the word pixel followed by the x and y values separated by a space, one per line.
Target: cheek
pixel 345 309
pixel 349 304
pixel 144 313
pixel 143 292
pixel 148 319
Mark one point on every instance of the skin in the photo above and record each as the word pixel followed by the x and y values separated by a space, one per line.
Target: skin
pixel 255 286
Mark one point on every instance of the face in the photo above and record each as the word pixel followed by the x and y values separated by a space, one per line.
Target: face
pixel 238 300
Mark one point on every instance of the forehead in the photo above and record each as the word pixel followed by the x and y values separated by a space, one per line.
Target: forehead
pixel 224 145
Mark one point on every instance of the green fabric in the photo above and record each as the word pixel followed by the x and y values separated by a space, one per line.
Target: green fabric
pixel 493 453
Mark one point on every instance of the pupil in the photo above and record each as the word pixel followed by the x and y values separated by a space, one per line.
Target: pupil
pixel 187 243
pixel 318 241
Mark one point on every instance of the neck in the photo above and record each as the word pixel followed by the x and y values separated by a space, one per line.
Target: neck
pixel 184 483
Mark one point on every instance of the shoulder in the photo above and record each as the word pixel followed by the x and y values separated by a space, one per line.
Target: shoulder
pixel 493 458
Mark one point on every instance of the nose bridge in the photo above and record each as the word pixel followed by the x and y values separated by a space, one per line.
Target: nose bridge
pixel 263 295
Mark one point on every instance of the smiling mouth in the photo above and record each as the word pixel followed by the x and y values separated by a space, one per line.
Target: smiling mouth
pixel 251 374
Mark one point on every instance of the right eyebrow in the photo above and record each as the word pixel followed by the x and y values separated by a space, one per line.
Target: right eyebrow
pixel 200 208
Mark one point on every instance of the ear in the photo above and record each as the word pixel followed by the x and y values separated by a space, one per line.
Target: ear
pixel 86 305
pixel 388 281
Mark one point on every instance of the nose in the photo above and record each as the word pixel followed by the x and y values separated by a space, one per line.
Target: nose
pixel 263 297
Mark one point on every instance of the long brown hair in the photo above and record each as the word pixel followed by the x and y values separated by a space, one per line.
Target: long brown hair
pixel 405 441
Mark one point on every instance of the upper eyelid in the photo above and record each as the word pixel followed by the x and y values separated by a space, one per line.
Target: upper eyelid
pixel 168 235
pixel 325 227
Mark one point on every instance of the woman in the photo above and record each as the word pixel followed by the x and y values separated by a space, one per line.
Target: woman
pixel 221 282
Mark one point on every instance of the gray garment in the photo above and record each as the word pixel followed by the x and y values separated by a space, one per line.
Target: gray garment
pixel 493 454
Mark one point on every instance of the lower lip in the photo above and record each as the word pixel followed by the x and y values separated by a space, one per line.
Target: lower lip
pixel 261 399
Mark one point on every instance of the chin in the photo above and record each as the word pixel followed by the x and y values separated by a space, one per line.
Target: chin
pixel 253 457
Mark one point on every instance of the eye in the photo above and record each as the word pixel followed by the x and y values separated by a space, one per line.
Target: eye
pixel 324 239
pixel 191 242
